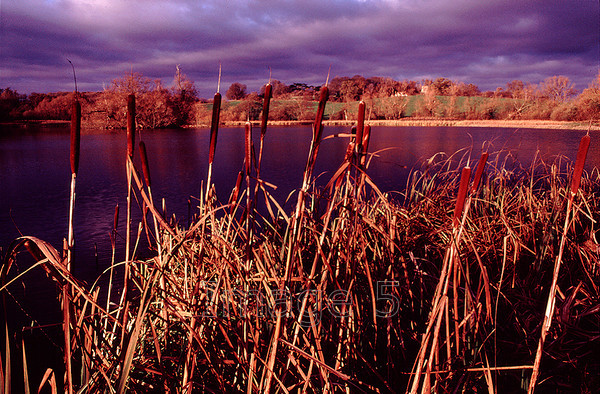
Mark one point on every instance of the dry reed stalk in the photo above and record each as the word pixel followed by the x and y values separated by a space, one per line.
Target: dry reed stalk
pixel 248 170
pixel 159 244
pixel 263 123
pixel 113 241
pixel 146 172
pixel 584 145
pixel 130 145
pixel 157 215
pixel 317 134
pixel 299 212
pixel 74 159
pixel 248 149
pixel 122 313
pixel 440 302
pixel 459 209
pixel 365 144
pixel 50 379
pixel 6 372
pixel 66 291
pixel 237 351
pixel 362 161
pixel 358 150
pixel 66 301
pixel 294 233
pixel 133 338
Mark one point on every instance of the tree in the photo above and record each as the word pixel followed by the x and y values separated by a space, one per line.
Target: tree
pixel 335 88
pixel 153 104
pixel 429 103
pixel 409 87
pixel 524 97
pixel 236 91
pixel 588 102
pixel 9 101
pixel 249 108
pixel 352 89
pixel 442 86
pixel 133 82
pixel 558 88
pixel 460 89
pixel 184 95
pixel 390 108
pixel 52 106
pixel 515 88
pixel 183 86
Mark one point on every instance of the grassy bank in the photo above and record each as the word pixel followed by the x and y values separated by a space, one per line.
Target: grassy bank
pixel 443 286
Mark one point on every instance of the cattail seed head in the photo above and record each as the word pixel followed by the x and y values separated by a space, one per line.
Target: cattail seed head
pixel 465 177
pixel 318 125
pixel 366 139
pixel 75 136
pixel 584 145
pixel 236 191
pixel 34 250
pixel 360 126
pixel 145 167
pixel 130 124
pixel 214 126
pixel 265 112
pixel 116 218
pixel 479 171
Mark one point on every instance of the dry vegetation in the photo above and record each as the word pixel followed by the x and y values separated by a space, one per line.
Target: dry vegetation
pixel 554 99
pixel 443 286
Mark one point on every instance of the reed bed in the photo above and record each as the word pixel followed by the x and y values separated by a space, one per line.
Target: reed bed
pixel 440 287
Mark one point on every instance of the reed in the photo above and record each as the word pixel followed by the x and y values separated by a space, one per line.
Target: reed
pixel 130 146
pixel 350 294
pixel 66 291
pixel 214 129
pixel 263 123
pixel 551 303
pixel 74 160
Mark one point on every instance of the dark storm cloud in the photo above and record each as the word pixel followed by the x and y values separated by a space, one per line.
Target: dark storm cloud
pixel 487 43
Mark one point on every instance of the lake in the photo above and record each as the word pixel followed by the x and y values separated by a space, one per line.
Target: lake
pixel 35 176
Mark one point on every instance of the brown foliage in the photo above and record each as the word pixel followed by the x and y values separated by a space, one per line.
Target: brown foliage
pixel 156 106
pixel 292 110
pixel 236 91
pixel 249 109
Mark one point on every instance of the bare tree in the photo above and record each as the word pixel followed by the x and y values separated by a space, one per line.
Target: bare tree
pixel 524 97
pixel 558 88
pixel 185 95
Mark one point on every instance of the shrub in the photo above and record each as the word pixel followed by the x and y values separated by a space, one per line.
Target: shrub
pixel 567 111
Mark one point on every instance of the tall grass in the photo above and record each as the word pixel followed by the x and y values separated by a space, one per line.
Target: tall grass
pixel 439 287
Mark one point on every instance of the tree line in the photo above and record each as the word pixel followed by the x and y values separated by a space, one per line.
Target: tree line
pixel 159 106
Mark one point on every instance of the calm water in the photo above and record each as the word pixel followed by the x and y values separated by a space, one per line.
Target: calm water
pixel 35 171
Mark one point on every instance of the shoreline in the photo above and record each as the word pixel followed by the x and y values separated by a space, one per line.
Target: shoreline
pixel 433 122
pixel 406 122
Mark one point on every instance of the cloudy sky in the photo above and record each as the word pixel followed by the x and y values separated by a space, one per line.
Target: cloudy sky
pixel 486 42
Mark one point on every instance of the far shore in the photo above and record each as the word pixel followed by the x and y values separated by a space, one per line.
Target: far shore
pixel 434 122
pixel 407 122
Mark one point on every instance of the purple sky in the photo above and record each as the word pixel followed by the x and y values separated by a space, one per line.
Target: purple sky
pixel 486 42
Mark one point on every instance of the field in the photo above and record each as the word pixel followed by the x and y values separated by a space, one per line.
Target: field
pixel 480 276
